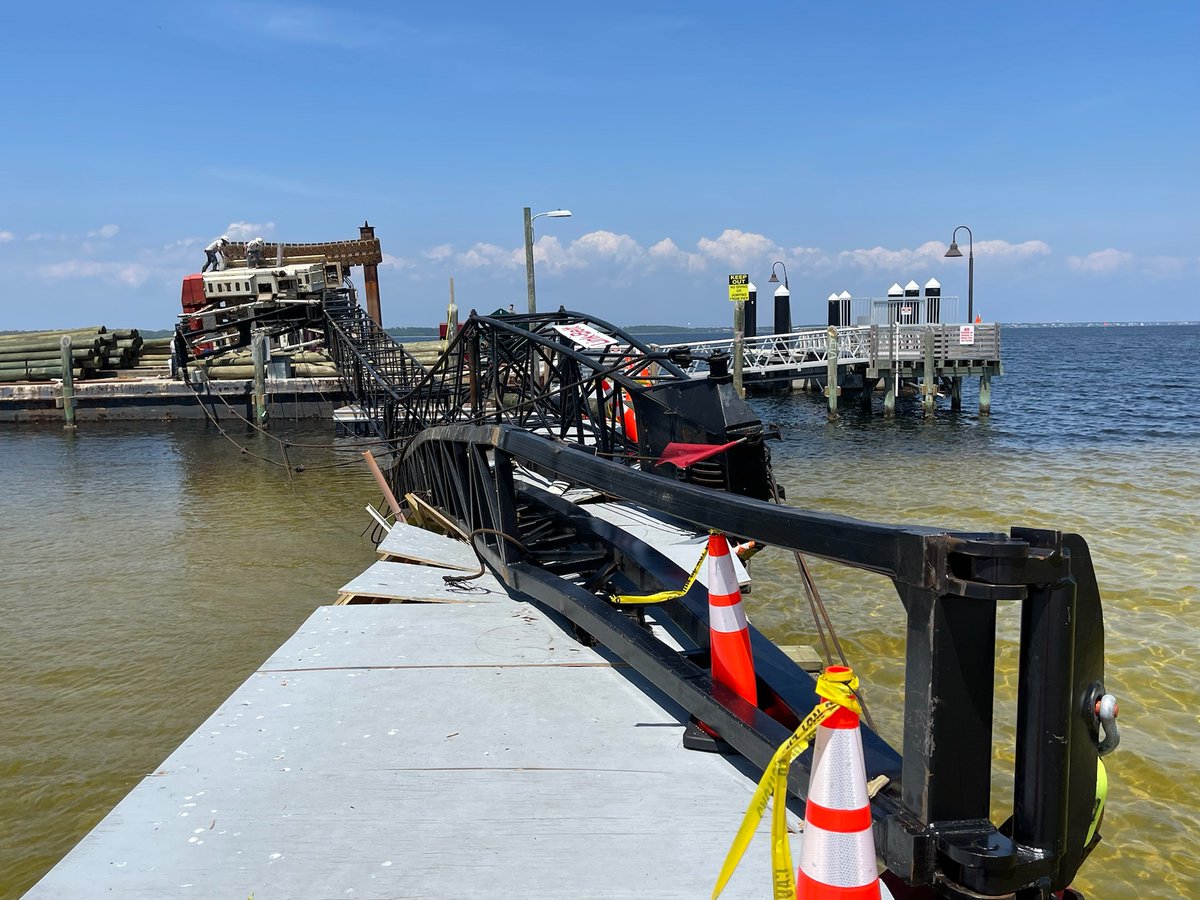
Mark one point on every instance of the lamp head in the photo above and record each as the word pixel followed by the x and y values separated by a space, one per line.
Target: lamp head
pixel 953 251
pixel 559 214
pixel 773 279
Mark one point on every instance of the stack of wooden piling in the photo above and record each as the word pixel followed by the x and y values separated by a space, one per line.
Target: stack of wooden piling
pixel 236 364
pixel 95 352
pixel 155 354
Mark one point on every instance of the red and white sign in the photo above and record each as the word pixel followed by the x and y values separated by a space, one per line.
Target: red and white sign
pixel 966 334
pixel 585 336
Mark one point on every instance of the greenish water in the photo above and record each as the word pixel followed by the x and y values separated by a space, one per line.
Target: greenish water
pixel 148 569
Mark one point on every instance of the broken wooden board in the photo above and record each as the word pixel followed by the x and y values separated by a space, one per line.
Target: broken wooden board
pixel 405 582
pixel 408 543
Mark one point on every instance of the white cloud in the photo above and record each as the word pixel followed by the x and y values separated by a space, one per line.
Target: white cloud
pixel 1005 250
pixel 484 255
pixel 397 262
pixel 1101 262
pixel 6 236
pixel 739 248
pixel 105 231
pixel 129 274
pixel 241 231
pixel 732 248
pixel 666 251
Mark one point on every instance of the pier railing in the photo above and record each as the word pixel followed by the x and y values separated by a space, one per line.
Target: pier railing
pixel 807 352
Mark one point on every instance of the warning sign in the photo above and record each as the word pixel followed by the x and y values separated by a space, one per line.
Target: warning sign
pixel 739 288
pixel 966 334
pixel 585 336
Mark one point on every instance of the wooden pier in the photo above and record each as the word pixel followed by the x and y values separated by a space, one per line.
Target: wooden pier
pixel 461 745
pixel 865 358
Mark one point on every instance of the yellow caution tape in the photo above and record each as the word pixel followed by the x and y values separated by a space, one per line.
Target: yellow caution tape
pixel 663 596
pixel 1101 799
pixel 838 690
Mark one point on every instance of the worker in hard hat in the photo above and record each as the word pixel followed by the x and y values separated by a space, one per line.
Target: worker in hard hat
pixel 254 253
pixel 213 257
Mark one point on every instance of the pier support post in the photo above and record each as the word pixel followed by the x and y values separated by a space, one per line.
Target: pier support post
pixel 258 353
pixel 985 394
pixel 68 383
pixel 366 232
pixel 930 387
pixel 739 329
pixel 831 370
pixel 956 393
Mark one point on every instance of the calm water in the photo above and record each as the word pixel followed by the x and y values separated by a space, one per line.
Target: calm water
pixel 148 569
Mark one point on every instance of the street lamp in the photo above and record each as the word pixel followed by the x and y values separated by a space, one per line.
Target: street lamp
pixel 553 214
pixel 773 279
pixel 955 253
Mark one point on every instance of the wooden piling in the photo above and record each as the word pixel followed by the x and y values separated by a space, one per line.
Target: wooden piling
pixel 892 378
pixel 929 388
pixel 739 329
pixel 985 394
pixel 258 351
pixel 68 384
pixel 831 370
pixel 956 393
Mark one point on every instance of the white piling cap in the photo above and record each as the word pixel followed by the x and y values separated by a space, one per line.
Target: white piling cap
pixel 832 297
pixel 895 290
pixel 912 286
pixel 845 295
pixel 932 283
pixel 750 286
pixel 782 291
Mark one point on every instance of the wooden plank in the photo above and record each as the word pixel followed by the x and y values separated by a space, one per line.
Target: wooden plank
pixel 421 584
pixel 407 542
pixel 431 517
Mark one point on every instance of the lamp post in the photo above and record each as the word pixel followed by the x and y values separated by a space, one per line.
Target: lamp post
pixel 553 214
pixel 954 252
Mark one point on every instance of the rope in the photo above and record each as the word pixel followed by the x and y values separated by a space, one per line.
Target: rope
pixel 816 604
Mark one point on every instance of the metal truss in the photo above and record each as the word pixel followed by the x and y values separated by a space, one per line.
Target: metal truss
pixel 932 823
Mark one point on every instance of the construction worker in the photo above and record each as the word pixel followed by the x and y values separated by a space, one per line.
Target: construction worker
pixel 254 252
pixel 213 256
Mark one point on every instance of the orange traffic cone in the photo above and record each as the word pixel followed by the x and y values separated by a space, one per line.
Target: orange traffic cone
pixel 729 633
pixel 978 319
pixel 837 857
pixel 628 420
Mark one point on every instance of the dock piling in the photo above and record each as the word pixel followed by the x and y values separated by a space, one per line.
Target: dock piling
pixel 68 383
pixel 929 389
pixel 258 352
pixel 831 370
pixel 985 394
pixel 739 333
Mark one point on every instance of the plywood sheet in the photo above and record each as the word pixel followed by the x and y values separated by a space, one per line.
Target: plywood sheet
pixel 422 584
pixel 408 542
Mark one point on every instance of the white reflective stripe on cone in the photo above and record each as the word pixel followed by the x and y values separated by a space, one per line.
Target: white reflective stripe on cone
pixel 727 619
pixel 841 785
pixel 722 580
pixel 838 859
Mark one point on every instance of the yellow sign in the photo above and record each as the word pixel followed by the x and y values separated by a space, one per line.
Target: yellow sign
pixel 739 288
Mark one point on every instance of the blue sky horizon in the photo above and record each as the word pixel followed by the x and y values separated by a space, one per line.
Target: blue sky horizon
pixel 689 141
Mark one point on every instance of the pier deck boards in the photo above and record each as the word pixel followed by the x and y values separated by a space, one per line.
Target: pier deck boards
pixel 427 750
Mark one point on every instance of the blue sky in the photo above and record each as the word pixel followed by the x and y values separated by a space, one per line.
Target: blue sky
pixel 691 140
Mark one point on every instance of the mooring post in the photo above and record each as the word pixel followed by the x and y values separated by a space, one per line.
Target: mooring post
pixel 956 392
pixel 930 387
pixel 831 369
pixel 68 383
pixel 892 378
pixel 258 353
pixel 739 327
pixel 985 393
